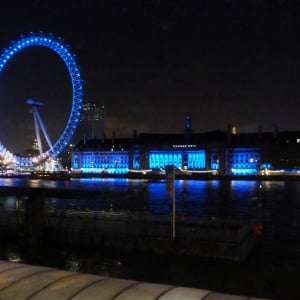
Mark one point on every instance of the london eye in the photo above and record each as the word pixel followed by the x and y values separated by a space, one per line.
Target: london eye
pixel 58 46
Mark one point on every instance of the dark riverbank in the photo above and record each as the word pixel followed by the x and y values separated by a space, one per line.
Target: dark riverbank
pixel 256 277
pixel 226 239
pixel 259 274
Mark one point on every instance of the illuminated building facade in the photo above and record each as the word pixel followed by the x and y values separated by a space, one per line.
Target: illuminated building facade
pixel 192 160
pixel 216 152
pixel 112 162
pixel 146 152
pixel 99 157
pixel 244 161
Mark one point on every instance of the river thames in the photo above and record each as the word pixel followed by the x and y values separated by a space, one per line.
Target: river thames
pixel 272 270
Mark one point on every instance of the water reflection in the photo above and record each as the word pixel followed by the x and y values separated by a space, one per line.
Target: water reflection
pixel 72 263
pixel 226 199
pixel 14 256
pixel 8 203
pixel 99 265
pixel 71 259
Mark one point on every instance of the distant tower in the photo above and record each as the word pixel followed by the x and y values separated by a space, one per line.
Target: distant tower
pixel 187 126
pixel 91 123
pixel 35 145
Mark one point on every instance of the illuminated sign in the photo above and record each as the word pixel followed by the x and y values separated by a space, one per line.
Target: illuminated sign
pixel 184 146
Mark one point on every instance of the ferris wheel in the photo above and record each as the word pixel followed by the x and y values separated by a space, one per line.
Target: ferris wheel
pixel 58 46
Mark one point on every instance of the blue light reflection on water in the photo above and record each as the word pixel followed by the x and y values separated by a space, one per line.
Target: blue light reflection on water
pixel 222 198
pixel 227 199
pixel 280 200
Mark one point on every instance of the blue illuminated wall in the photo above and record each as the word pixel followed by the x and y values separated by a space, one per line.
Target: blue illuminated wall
pixel 192 160
pixel 136 164
pixel 243 161
pixel 196 160
pixel 240 161
pixel 159 159
pixel 215 161
pixel 112 162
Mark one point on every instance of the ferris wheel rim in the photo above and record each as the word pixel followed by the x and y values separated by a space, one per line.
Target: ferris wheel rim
pixel 59 47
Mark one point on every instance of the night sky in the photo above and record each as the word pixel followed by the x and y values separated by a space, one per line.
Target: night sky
pixel 151 62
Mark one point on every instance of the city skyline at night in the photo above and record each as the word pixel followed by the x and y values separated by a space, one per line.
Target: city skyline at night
pixel 151 63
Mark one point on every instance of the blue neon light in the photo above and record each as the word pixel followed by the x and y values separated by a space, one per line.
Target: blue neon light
pixel 159 159
pixel 244 161
pixel 77 86
pixel 266 166
pixel 136 160
pixel 243 171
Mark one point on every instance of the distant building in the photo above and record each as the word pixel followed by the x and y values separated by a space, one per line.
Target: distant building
pixel 216 152
pixel 35 145
pixel 91 123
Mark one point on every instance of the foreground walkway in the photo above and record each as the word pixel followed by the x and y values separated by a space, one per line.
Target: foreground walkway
pixel 21 281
